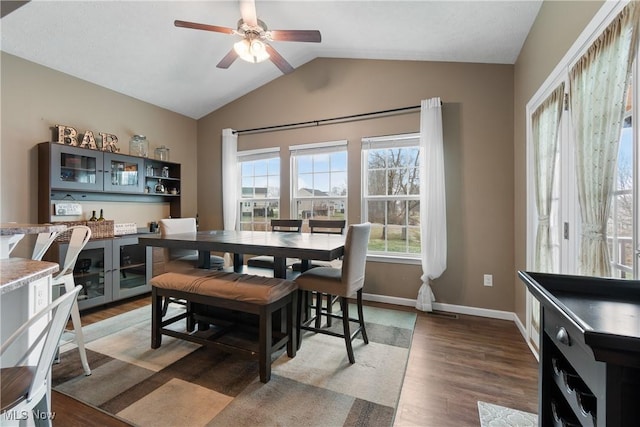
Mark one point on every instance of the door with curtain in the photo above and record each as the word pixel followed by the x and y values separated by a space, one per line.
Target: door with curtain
pixel 583 214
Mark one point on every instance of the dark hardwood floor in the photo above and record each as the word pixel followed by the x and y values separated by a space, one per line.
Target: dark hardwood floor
pixel 453 363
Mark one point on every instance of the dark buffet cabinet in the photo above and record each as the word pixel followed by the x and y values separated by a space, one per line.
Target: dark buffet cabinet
pixel 67 173
pixel 589 351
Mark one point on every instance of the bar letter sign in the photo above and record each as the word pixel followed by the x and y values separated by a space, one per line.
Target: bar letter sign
pixel 69 136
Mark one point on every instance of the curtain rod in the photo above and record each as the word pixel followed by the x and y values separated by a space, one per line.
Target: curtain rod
pixel 310 123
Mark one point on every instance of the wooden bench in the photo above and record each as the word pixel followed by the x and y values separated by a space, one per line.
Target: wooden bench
pixel 229 293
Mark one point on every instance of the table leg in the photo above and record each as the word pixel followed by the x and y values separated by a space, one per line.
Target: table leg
pixel 237 263
pixel 204 259
pixel 280 267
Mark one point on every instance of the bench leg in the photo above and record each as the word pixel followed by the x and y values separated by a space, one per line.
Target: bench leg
pixel 156 319
pixel 265 344
pixel 292 330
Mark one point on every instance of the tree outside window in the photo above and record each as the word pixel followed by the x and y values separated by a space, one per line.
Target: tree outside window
pixel 391 193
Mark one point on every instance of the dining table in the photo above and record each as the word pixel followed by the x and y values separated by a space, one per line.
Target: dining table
pixel 280 245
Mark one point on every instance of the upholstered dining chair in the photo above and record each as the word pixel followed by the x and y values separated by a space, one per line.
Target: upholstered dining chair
pixel 24 387
pixel 279 225
pixel 179 260
pixel 78 236
pixel 323 226
pixel 342 282
pixel 182 260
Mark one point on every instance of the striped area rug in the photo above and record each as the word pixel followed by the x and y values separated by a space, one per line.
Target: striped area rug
pixel 184 384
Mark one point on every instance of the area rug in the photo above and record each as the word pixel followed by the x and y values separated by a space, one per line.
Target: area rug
pixel 184 384
pixel 499 416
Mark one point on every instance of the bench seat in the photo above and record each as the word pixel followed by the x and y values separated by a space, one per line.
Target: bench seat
pixel 231 292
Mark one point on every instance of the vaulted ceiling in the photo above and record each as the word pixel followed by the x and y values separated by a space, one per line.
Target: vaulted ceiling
pixel 133 47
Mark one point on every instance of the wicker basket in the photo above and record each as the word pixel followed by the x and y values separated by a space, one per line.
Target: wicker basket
pixel 99 229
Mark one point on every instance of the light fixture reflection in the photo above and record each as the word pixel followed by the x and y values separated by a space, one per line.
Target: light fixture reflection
pixel 253 51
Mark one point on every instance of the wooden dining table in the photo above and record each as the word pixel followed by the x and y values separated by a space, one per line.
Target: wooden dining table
pixel 306 246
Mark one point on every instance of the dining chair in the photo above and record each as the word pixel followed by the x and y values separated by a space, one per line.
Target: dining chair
pixel 342 282
pixel 25 388
pixel 278 225
pixel 43 242
pixel 322 226
pixel 180 260
pixel 78 236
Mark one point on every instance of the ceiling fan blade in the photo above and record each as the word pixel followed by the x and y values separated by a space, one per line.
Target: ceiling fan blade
pixel 248 12
pixel 228 59
pixel 296 36
pixel 205 27
pixel 278 60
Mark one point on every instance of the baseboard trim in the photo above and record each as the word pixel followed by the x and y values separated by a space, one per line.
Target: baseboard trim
pixel 450 308
pixel 458 309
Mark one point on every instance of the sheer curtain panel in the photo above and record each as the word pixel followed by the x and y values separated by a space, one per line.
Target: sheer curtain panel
pixel 598 84
pixel 229 182
pixel 433 220
pixel 545 123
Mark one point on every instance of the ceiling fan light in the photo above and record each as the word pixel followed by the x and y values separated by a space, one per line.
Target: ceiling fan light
pixel 251 51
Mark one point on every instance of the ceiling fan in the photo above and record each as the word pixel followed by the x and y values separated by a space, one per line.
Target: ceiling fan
pixel 254 45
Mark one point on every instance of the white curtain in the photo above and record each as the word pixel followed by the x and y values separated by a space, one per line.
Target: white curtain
pixel 433 218
pixel 545 122
pixel 598 84
pixel 229 182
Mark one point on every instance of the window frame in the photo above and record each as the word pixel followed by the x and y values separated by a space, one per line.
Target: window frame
pixel 327 147
pixel 382 142
pixel 256 155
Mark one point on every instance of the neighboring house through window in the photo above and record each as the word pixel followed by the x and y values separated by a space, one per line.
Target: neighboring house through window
pixel 319 180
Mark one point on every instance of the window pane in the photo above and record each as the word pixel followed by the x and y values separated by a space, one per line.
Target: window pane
pixel 339 161
pixel 321 163
pixel 377 183
pixel 273 186
pixel 305 164
pixel 414 240
pixel 376 159
pixel 338 184
pixel 321 184
pixel 273 166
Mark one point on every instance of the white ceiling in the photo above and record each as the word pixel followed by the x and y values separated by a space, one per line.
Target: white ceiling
pixel 133 47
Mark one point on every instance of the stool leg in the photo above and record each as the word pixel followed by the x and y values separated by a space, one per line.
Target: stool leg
pixel 292 309
pixel 329 308
pixel 302 298
pixel 318 310
pixel 156 318
pixel 69 284
pixel 344 305
pixel 363 330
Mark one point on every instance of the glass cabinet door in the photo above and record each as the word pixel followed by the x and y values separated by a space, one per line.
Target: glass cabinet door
pixel 76 168
pixel 123 173
pixel 130 268
pixel 91 271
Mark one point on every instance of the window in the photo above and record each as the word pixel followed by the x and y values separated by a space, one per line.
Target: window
pixel 319 180
pixel 620 224
pixel 391 194
pixel 259 188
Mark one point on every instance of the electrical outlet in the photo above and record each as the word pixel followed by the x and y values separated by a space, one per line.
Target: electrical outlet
pixel 488 279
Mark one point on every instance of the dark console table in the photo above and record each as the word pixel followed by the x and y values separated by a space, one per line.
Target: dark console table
pixel 589 351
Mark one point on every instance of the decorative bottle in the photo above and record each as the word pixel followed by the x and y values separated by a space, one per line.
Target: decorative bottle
pixel 101 216
pixel 93 217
